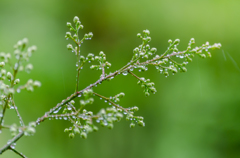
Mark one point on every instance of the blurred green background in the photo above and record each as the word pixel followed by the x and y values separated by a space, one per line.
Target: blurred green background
pixel 194 114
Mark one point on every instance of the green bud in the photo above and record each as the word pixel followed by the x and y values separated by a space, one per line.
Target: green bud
pixel 177 41
pixel 83 135
pixel 184 63
pixel 135 108
pixel 119 115
pixel 147 94
pixel 76 130
pixel 68 34
pixel 202 55
pixel 90 100
pixel 108 64
pixel 192 40
pixel 132 125
pixel 75 19
pixel 153 50
pixel 32 124
pixel 82 58
pixel 95 128
pixel 165 60
pixel 92 67
pixel 9 75
pixel 184 69
pixel 75 36
pixel 121 94
pixel 148 39
pixel 139 35
pixel 90 35
pixel 71 135
pixel 147 32
pixel 82 102
pixel 110 126
pixel 169 41
pixel 37 84
pixel 175 49
pixel 69 24
pixel 166 73
pixel 101 53
pixel 69 47
pixel 28 68
pixel 29 131
pixel 66 130
pixel 80 27
pixel 17 81
pixel 90 92
pixel 2 64
pixel 141 123
pixel 209 54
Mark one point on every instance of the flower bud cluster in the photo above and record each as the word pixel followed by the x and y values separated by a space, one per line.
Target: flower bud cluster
pixel 30 85
pixel 135 120
pixel 117 97
pixel 102 62
pixel 147 86
pixel 30 129
pixel 108 117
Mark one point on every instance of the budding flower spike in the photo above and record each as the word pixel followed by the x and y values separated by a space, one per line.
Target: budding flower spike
pixel 83 121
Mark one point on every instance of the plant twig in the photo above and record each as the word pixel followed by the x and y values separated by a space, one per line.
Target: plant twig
pixel 18 153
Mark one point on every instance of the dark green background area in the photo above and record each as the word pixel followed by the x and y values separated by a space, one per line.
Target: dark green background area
pixel 193 115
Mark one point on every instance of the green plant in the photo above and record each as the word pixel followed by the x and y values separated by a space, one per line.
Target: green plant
pixel 170 62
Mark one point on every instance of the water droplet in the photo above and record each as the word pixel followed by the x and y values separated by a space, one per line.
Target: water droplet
pixel 79 95
pixel 125 73
pixel 125 113
pixel 56 111
pixel 100 98
pixel 110 103
pixel 97 121
pixel 65 118
pixel 105 101
pixel 67 38
pixel 18 90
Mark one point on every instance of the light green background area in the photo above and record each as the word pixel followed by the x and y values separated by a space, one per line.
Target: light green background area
pixel 193 115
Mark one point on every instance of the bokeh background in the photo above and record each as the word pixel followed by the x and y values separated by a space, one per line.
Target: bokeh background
pixel 194 114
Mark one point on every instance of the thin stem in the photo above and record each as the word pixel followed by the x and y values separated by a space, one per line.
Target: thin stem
pixel 103 71
pixel 4 110
pixel 116 105
pixel 18 153
pixel 135 75
pixel 18 114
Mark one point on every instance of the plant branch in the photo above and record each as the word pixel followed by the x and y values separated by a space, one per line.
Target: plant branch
pixel 18 114
pixel 10 142
pixel 18 153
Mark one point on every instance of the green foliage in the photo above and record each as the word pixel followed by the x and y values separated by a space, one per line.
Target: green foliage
pixel 82 122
